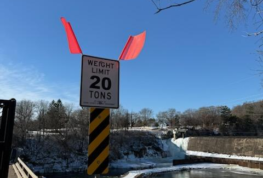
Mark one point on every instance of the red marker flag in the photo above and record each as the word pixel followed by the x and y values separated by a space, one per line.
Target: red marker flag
pixel 72 40
pixel 133 47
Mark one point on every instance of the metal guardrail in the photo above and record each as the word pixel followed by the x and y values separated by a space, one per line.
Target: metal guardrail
pixel 22 170
pixel 7 115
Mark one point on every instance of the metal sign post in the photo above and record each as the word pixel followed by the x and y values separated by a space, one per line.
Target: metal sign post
pixel 98 150
pixel 99 90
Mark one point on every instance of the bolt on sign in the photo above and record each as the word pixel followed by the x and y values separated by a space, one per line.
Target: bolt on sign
pixel 99 82
pixel 98 150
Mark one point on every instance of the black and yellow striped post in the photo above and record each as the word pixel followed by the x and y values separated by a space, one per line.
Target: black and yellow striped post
pixel 98 150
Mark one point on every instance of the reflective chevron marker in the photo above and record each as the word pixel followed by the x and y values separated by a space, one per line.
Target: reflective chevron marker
pixel 98 151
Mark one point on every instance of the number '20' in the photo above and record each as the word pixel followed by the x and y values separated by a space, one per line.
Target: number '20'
pixel 105 83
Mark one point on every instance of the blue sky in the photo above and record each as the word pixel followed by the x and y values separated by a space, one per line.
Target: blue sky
pixel 188 60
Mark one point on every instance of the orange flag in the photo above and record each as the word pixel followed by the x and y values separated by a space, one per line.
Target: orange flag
pixel 133 47
pixel 72 40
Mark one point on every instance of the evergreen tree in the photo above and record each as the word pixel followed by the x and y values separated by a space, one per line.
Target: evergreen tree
pixel 225 114
pixel 56 115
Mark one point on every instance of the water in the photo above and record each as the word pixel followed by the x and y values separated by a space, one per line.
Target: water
pixel 207 173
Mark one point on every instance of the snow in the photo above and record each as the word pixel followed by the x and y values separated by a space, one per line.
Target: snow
pixel 181 143
pixel 146 128
pixel 215 155
pixel 133 174
pixel 49 159
pixel 175 151
pixel 171 150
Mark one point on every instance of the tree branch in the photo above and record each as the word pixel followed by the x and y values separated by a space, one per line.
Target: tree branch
pixel 255 34
pixel 155 4
pixel 173 5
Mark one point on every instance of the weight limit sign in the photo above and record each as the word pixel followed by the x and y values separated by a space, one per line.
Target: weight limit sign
pixel 99 82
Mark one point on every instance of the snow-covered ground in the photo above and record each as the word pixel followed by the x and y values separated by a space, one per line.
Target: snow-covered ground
pixel 133 174
pixel 129 150
pixel 182 143
pixel 215 155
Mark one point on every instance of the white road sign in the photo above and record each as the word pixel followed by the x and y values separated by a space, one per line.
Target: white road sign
pixel 99 82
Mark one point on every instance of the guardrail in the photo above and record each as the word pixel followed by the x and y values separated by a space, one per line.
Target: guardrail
pixel 22 171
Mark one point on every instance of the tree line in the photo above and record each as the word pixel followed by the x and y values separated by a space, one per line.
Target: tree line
pixel 245 119
pixel 58 118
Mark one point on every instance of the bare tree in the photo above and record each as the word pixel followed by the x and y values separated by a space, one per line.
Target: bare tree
pixel 171 117
pixel 118 117
pixel 161 117
pixel 23 118
pixel 189 118
pixel 209 116
pixel 235 12
pixel 135 119
pixel 125 122
pixel 41 110
pixel 79 124
pixel 145 115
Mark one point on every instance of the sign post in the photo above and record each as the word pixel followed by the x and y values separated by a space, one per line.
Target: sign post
pixel 100 91
pixel 98 150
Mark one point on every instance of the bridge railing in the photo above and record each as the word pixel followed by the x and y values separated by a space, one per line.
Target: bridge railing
pixel 22 170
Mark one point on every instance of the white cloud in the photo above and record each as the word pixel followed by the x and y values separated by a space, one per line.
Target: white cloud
pixel 19 82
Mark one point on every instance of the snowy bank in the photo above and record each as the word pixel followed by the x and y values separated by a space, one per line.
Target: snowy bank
pixel 182 143
pixel 133 174
pixel 226 156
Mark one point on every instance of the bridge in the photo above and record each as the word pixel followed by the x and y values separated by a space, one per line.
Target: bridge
pixel 20 170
